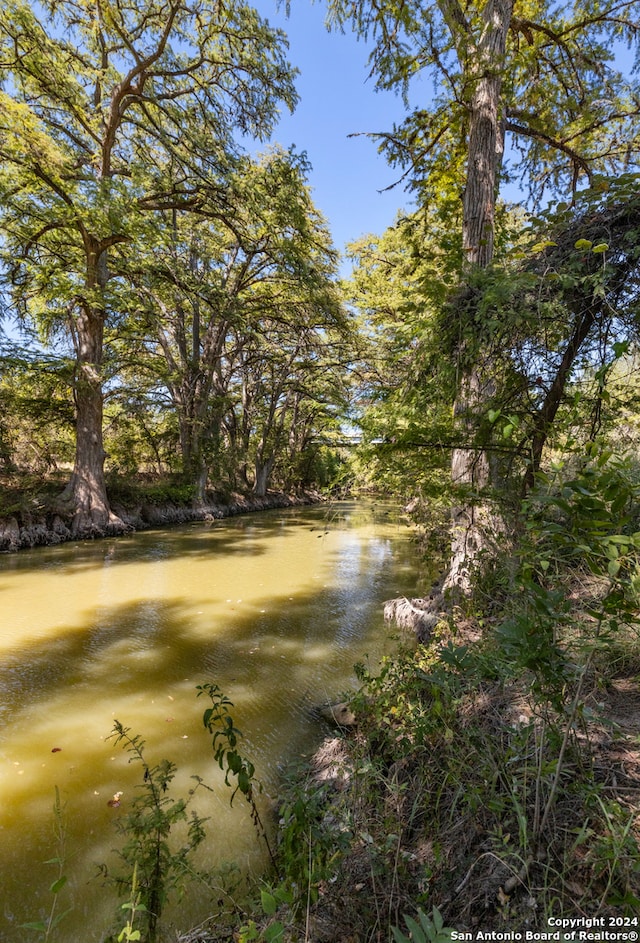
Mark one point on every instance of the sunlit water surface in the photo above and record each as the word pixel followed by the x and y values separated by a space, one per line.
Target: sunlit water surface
pixel 275 608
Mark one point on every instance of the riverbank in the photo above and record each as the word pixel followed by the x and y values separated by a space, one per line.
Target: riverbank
pixel 453 803
pixel 34 520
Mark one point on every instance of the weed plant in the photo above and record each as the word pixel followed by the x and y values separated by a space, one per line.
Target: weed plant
pixel 151 868
pixel 468 796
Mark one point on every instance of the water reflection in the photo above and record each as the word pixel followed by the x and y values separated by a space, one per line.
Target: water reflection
pixel 275 608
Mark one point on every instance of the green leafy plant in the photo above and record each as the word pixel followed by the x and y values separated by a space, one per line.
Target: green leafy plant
pixel 47 926
pixel 310 844
pixel 153 867
pixel 427 930
pixel 134 906
pixel 271 899
pixel 225 735
pixel 576 528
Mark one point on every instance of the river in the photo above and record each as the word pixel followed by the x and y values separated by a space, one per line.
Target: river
pixel 275 608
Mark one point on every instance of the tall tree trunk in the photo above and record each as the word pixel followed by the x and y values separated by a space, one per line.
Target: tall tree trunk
pixel 474 523
pixel 200 484
pixel 86 493
pixel 200 420
pixel 194 467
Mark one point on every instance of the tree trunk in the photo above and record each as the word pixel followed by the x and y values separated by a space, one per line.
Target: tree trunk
pixel 194 467
pixel 584 320
pixel 200 422
pixel 263 473
pixel 200 484
pixel 476 523
pixel 86 493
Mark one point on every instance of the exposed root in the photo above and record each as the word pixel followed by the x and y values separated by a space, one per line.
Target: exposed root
pixel 420 615
pixel 54 525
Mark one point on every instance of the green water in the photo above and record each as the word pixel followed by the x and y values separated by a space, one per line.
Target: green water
pixel 275 608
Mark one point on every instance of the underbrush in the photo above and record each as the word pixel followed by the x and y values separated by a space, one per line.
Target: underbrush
pixel 29 492
pixel 149 489
pixel 462 798
pixel 23 492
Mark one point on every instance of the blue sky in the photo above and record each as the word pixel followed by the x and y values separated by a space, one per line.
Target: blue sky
pixel 337 99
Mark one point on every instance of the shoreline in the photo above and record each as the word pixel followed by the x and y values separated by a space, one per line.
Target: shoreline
pixel 26 530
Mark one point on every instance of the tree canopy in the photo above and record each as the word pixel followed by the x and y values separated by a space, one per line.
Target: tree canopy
pixel 116 120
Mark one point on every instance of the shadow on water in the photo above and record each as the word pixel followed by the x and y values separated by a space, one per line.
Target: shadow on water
pixel 136 643
pixel 203 539
pixel 149 647
pixel 277 658
pixel 244 535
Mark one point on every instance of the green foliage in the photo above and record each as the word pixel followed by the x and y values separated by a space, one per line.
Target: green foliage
pixel 529 639
pixel 230 348
pixel 132 907
pixel 225 735
pixel 109 125
pixel 149 490
pixel 219 723
pixel 244 325
pixel 36 428
pixel 574 525
pixel 309 843
pixel 409 701
pixel 557 60
pixel 428 930
pixel 405 386
pixel 585 515
pixel 577 526
pixel 308 847
pixel 271 900
pixel 140 435
pixel 153 867
pixel 323 467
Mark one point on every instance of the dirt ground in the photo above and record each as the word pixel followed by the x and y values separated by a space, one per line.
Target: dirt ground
pixel 617 753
